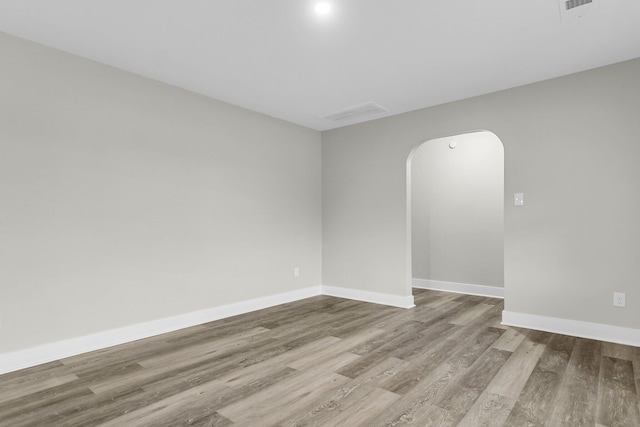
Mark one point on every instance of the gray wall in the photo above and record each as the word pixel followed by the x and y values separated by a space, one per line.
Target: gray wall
pixel 457 212
pixel 571 146
pixel 124 200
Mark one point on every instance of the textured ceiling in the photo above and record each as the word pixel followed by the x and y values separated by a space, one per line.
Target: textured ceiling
pixel 279 58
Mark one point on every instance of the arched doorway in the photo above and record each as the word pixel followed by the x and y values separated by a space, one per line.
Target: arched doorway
pixel 455 214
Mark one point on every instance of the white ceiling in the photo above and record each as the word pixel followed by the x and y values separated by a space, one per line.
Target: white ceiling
pixel 280 58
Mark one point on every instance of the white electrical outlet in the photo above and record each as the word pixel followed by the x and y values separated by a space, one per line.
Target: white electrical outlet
pixel 518 199
pixel 619 299
pixel 296 272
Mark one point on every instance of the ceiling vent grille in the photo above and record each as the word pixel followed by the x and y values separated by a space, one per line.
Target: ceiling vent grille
pixel 570 4
pixel 578 10
pixel 355 113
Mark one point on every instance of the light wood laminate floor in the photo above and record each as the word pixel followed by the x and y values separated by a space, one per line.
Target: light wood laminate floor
pixel 327 361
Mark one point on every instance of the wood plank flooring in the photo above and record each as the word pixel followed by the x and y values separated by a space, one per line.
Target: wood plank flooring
pixel 326 361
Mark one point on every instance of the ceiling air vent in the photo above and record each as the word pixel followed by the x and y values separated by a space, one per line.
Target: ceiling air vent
pixel 570 4
pixel 577 10
pixel 356 113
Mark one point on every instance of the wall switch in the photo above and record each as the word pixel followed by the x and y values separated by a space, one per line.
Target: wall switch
pixel 518 199
pixel 619 299
pixel 296 272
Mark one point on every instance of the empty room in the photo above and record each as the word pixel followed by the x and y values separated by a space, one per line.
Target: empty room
pixel 328 213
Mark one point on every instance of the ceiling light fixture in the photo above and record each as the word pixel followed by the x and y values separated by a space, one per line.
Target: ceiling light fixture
pixel 322 8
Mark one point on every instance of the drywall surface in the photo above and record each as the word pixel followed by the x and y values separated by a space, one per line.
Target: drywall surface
pixel 126 201
pixel 571 146
pixel 457 212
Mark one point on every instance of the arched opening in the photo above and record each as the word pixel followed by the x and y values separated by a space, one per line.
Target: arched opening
pixel 455 214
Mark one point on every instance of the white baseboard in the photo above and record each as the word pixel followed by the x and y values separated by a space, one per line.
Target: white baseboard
pixel 460 288
pixel 45 353
pixel 576 328
pixel 58 350
pixel 366 296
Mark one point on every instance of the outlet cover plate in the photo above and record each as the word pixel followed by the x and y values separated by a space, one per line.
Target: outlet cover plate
pixel 619 299
pixel 518 199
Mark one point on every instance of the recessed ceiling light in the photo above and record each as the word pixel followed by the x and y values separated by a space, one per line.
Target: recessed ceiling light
pixel 322 8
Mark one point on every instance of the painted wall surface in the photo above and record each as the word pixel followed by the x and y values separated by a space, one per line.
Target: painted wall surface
pixel 124 200
pixel 571 146
pixel 457 212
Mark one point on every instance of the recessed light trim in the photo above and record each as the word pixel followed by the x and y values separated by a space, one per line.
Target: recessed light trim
pixel 322 8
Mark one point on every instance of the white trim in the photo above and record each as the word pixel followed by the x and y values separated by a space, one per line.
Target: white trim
pixel 45 353
pixel 58 350
pixel 460 288
pixel 577 328
pixel 366 296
